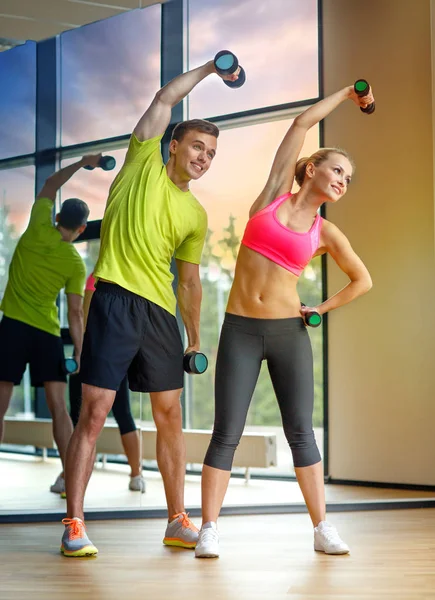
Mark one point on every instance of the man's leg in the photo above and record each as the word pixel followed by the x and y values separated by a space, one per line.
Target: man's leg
pixel 171 449
pixel 96 404
pixel 15 338
pixel 6 389
pixel 171 458
pixel 62 425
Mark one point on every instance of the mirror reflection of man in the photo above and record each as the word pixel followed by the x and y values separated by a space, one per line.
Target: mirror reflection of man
pixel 45 262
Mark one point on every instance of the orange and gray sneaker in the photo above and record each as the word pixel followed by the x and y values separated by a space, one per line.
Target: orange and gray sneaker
pixel 181 532
pixel 75 542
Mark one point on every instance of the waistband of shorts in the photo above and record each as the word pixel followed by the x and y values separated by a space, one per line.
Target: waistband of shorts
pixel 264 326
pixel 113 288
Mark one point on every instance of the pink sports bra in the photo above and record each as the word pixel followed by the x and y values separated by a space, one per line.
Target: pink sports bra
pixel 90 283
pixel 266 235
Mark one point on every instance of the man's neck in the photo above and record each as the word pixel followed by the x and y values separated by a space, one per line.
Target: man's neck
pixel 176 178
pixel 65 234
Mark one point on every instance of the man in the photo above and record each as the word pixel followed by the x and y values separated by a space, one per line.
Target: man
pixel 44 262
pixel 150 216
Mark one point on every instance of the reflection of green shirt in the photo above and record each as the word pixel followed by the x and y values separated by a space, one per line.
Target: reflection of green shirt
pixel 41 266
pixel 148 219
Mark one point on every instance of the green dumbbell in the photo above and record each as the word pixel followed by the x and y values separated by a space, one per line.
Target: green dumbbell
pixel 362 88
pixel 312 318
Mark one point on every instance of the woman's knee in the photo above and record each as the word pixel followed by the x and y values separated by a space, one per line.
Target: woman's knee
pixel 220 453
pixel 303 447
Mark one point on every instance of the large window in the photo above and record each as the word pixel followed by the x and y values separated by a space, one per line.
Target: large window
pixel 275 42
pixel 110 71
pixel 18 101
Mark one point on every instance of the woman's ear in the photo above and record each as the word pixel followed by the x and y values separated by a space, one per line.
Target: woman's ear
pixel 310 170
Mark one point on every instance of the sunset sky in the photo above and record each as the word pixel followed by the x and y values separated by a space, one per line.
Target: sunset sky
pixel 109 72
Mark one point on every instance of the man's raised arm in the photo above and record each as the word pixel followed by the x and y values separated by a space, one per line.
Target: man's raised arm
pixel 156 119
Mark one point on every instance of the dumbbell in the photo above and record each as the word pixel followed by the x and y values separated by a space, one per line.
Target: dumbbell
pixel 70 365
pixel 195 363
pixel 362 88
pixel 107 163
pixel 226 63
pixel 312 318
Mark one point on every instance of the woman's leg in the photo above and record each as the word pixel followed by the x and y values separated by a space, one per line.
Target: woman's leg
pixel 237 369
pixel 75 397
pixel 291 369
pixel 127 428
pixel 290 364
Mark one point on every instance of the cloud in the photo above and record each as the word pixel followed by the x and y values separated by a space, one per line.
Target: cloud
pixel 17 100
pixel 276 45
pixel 110 73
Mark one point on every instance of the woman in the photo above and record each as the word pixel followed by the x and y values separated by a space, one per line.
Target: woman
pixel 263 318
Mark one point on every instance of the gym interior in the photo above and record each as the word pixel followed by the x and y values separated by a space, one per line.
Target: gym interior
pixel 75 77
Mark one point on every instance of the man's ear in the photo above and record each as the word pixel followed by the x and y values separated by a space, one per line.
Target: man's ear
pixel 81 228
pixel 173 146
pixel 57 218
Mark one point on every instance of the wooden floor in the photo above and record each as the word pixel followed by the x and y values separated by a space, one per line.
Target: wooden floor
pixel 263 557
pixel 29 480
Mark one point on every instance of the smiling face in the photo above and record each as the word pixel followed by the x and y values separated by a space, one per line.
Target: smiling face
pixel 193 154
pixel 331 177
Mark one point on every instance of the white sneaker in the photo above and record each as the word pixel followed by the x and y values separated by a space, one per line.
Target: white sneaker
pixel 137 484
pixel 207 545
pixel 58 486
pixel 326 539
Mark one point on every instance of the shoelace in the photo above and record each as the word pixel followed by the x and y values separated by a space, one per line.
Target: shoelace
pixel 331 535
pixel 183 518
pixel 208 535
pixel 77 528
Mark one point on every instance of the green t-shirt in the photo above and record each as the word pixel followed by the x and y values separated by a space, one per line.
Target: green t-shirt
pixel 148 219
pixel 41 266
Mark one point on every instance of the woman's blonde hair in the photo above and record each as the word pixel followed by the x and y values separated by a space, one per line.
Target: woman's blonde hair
pixel 317 158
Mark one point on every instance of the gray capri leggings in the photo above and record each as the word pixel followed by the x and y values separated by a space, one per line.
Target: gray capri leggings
pixel 244 343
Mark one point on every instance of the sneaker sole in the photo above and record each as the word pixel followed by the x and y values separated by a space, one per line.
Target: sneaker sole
pixel 179 543
pixel 86 551
pixel 338 552
pixel 207 555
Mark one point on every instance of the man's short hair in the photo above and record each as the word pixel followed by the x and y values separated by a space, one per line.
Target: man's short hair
pixel 73 214
pixel 182 128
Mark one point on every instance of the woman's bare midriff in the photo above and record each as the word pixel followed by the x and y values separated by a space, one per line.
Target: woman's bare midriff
pixel 262 289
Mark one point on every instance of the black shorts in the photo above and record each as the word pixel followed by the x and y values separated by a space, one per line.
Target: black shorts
pixel 128 334
pixel 21 344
